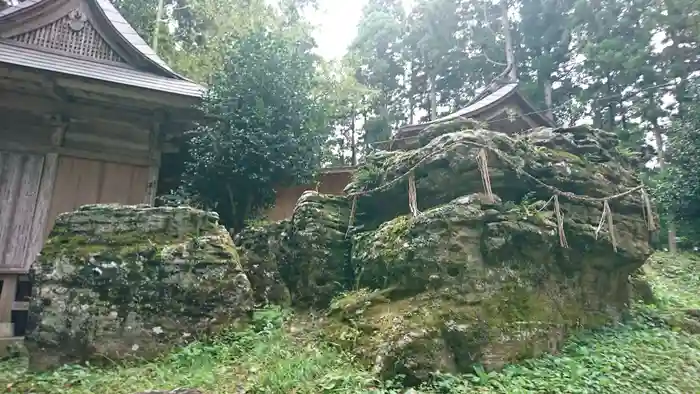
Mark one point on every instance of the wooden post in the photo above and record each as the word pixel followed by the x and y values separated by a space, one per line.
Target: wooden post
pixel 40 229
pixel 7 299
pixel 154 149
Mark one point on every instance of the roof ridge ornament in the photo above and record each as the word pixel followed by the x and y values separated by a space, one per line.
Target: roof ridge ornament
pixel 77 20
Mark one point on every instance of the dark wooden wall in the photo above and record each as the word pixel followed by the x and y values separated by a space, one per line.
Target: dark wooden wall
pixel 329 183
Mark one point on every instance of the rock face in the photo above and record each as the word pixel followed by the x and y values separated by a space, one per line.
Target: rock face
pixel 305 258
pixel 320 251
pixel 473 282
pixel 264 253
pixel 477 279
pixel 579 160
pixel 132 281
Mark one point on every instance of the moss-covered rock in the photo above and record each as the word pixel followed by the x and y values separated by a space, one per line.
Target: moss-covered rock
pixel 475 282
pixel 264 250
pixel 116 282
pixel 580 160
pixel 318 268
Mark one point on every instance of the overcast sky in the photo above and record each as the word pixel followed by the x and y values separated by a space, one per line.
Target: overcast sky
pixel 337 24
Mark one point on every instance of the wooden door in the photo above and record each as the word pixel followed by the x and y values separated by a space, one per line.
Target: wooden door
pixel 20 181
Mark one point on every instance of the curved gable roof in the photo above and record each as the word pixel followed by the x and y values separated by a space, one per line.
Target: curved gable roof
pixel 111 25
pixel 483 102
pixel 131 37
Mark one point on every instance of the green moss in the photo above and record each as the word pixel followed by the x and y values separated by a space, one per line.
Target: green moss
pixel 367 176
pixel 124 270
pixel 449 329
pixel 127 245
pixel 558 154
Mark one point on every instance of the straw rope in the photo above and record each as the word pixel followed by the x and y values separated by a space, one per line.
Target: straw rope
pixel 482 164
pixel 412 199
pixel 353 208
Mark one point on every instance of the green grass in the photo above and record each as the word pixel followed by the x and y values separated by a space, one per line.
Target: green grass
pixel 645 355
pixel 264 359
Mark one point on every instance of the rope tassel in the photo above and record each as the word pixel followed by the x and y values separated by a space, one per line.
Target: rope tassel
pixel 560 223
pixel 412 198
pixel 607 216
pixel 611 226
pixel 648 213
pixel 483 163
pixel 352 215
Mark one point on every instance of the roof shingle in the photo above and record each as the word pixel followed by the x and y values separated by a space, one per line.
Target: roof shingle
pixel 30 58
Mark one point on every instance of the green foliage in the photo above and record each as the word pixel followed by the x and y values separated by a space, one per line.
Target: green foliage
pixel 264 126
pixel 376 55
pixel 348 102
pixel 678 185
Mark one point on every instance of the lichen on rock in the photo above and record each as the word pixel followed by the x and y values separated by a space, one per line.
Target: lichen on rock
pixel 579 160
pixel 132 281
pixel 473 282
pixel 477 279
pixel 264 252
pixel 319 261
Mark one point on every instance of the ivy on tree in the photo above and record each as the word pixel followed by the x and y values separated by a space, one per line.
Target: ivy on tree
pixel 264 127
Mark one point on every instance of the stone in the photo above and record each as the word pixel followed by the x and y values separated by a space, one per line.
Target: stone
pixel 475 282
pixel 264 253
pixel 579 160
pixel 319 266
pixel 641 289
pixel 115 282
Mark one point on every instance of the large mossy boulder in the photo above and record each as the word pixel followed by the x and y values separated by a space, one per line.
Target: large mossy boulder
pixel 115 282
pixel 476 279
pixel 580 160
pixel 474 282
pixel 319 267
pixel 264 252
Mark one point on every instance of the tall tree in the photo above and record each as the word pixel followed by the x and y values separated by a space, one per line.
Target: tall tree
pixel 678 186
pixel 349 102
pixel 545 32
pixel 377 49
pixel 193 34
pixel 434 49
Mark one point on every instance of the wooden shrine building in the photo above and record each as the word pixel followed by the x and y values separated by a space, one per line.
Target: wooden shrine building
pixel 501 106
pixel 86 110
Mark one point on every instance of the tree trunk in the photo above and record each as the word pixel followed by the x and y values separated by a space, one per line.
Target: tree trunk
pixel 611 105
pixel 232 206
pixel 548 98
pixel 597 115
pixel 411 96
pixel 353 143
pixel 433 98
pixel 623 116
pixel 672 246
pixel 156 26
pixel 245 213
pixel 510 52
pixel 611 117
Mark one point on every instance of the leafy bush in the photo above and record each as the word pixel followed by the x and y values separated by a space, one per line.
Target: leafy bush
pixel 264 125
